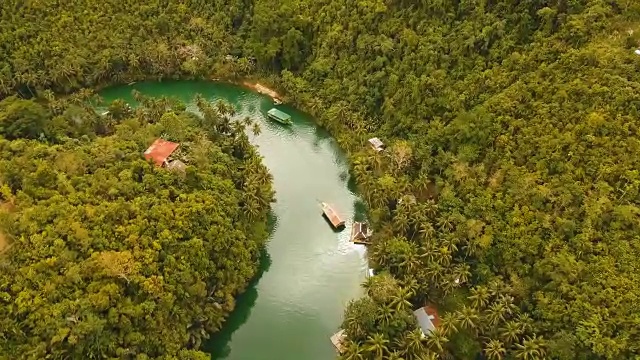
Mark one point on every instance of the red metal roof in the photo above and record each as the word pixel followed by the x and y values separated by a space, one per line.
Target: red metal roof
pixel 160 150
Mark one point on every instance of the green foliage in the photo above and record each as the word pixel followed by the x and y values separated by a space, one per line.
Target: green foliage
pixel 21 118
pixel 508 194
pixel 113 257
pixel 512 125
pixel 47 44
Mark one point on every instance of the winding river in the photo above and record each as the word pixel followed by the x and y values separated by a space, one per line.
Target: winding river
pixel 309 272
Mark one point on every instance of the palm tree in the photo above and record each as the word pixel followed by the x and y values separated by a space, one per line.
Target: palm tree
pixel 386 315
pixel 437 340
pixel 511 332
pixel 400 301
pixel 414 343
pixel 401 223
pixel 427 355
pixel 377 344
pixel 532 348
pixel 427 231
pixel 525 321
pixel 468 317
pixel 496 314
pixel 353 351
pixel 461 273
pixel 494 350
pixel 448 323
pixel 479 297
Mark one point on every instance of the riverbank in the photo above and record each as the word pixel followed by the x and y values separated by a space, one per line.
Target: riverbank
pixel 309 272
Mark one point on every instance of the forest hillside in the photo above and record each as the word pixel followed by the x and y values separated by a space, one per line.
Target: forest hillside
pixel 111 256
pixel 508 196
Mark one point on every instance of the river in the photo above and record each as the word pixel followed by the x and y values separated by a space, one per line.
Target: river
pixel 309 272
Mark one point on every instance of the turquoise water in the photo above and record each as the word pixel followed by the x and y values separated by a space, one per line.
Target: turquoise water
pixel 309 272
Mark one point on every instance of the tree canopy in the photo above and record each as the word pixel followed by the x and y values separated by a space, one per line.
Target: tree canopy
pixel 507 196
pixel 112 256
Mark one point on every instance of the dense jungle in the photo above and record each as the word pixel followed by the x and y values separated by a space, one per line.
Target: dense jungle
pixel 507 196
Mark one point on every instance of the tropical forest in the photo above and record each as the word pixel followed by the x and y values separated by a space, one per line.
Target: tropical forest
pixel 508 195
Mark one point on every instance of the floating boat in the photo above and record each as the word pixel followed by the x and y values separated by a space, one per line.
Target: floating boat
pixel 279 116
pixel 332 216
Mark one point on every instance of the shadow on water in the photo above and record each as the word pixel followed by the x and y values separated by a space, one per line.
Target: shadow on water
pixel 335 230
pixel 218 344
pixel 360 208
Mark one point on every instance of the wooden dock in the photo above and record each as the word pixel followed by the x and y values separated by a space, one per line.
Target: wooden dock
pixel 337 340
pixel 360 233
pixel 332 216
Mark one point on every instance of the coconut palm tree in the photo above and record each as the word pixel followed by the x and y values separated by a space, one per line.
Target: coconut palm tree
pixel 353 351
pixel 479 297
pixel 511 332
pixel 400 301
pixel 494 350
pixel 532 348
pixel 468 317
pixel 496 314
pixel 377 345
pixel 437 340
pixel 449 323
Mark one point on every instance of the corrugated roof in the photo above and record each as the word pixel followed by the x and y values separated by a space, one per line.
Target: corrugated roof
pixel 376 143
pixel 359 231
pixel 160 151
pixel 338 340
pixel 427 319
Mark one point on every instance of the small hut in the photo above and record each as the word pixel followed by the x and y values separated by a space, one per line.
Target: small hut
pixel 337 340
pixel 427 318
pixel 332 216
pixel 376 144
pixel 160 151
pixel 360 233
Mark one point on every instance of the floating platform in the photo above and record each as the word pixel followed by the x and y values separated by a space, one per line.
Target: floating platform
pixel 360 233
pixel 279 116
pixel 337 340
pixel 332 216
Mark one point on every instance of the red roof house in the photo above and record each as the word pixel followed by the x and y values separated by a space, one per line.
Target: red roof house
pixel 160 151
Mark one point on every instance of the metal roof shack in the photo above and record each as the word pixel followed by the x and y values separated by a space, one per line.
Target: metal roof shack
pixel 160 151
pixel 376 144
pixel 428 319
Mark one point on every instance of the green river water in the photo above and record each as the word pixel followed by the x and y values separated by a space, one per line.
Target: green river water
pixel 309 272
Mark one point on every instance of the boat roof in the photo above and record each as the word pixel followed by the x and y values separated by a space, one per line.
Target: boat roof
pixel 279 114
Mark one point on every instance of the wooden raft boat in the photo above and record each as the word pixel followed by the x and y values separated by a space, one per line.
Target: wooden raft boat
pixel 332 216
